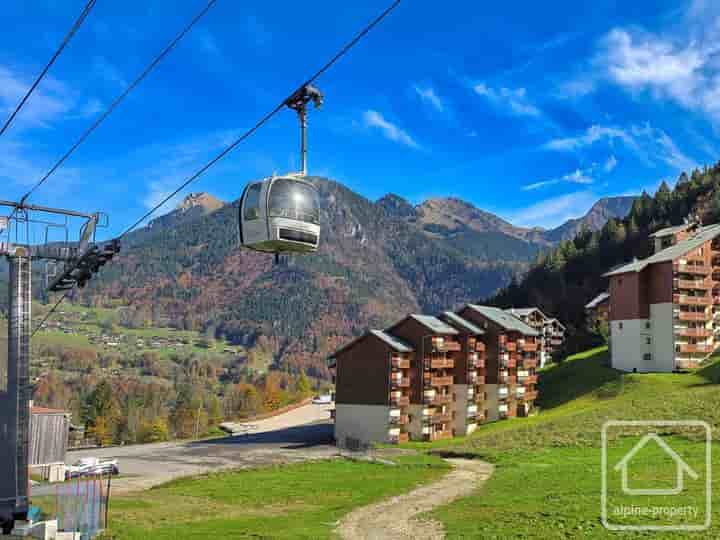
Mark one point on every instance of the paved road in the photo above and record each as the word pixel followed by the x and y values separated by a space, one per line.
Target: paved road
pixel 302 434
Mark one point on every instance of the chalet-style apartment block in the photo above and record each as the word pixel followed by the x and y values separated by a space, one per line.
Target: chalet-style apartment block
pixel 511 358
pixel 552 331
pixel 597 311
pixel 662 315
pixel 420 379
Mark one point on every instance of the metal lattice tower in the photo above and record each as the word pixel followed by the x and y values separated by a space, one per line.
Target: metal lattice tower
pixel 80 261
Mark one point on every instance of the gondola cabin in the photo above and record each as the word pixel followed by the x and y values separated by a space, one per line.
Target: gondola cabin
pixel 280 214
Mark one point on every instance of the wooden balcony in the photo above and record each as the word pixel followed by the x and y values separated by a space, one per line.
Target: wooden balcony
pixel 400 363
pixel 530 346
pixel 528 379
pixel 479 346
pixel 439 363
pixel 399 420
pixel 693 348
pixel 507 379
pixel 399 382
pixel 401 401
pixel 438 435
pixel 479 380
pixel 441 381
pixel 693 284
pixel 478 363
pixel 693 332
pixel 450 346
pixel 531 362
pixel 692 300
pixel 529 396
pixel 692 316
pixel 509 363
pixel 511 346
pixel 441 418
pixel 698 270
pixel 440 399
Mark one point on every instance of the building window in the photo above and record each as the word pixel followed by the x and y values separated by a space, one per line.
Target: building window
pixel 620 326
pixel 648 340
pixel 647 324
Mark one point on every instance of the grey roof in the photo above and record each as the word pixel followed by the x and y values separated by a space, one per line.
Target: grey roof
pixel 599 299
pixel 465 324
pixel 670 253
pixel 670 230
pixel 395 343
pixel 504 319
pixel 557 322
pixel 526 311
pixel 434 324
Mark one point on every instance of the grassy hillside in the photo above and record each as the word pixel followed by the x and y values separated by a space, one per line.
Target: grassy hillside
pixel 547 483
pixel 286 502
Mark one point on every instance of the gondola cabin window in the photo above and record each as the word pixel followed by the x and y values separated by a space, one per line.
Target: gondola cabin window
pixel 294 200
pixel 252 202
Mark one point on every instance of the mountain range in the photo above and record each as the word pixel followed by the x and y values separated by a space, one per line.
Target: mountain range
pixel 378 260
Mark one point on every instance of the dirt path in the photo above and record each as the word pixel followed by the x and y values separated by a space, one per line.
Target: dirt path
pixel 394 519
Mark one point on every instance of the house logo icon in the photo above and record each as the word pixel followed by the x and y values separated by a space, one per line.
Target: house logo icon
pixel 681 468
pixel 680 495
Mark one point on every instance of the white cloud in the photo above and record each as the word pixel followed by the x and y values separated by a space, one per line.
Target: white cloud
pixel 50 101
pixel 389 130
pixel 514 100
pixel 591 136
pixel 577 88
pixel 172 163
pixel 650 144
pixel 648 62
pixel 555 210
pixel 680 65
pixel 610 164
pixel 429 96
pixel 578 176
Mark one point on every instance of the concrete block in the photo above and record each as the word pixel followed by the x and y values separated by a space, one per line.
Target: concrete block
pixel 45 530
pixel 68 536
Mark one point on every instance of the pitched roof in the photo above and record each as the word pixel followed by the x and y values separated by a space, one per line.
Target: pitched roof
pixel 599 299
pixel 504 319
pixel 434 324
pixel 556 321
pixel 390 340
pixel 670 253
pixel 524 312
pixel 463 323
pixel 397 344
pixel 670 230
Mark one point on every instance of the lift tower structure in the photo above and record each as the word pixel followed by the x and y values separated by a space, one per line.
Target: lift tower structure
pixel 79 261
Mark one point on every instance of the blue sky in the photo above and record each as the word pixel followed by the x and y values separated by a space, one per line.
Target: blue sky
pixel 531 110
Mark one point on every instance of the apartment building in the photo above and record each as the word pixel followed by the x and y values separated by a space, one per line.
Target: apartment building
pixel 552 331
pixel 511 358
pixel 436 348
pixel 372 390
pixel 469 384
pixel 597 311
pixel 662 315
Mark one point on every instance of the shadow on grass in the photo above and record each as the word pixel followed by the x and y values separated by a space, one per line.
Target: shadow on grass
pixel 575 378
pixel 710 372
